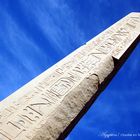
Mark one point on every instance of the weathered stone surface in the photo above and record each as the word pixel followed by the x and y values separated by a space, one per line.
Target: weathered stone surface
pixel 46 107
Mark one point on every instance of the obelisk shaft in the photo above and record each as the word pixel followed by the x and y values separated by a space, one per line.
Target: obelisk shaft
pixel 49 105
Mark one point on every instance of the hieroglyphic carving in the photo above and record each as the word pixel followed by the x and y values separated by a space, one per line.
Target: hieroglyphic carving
pixel 25 114
pixel 53 94
pixel 118 34
pixel 3 135
pixel 133 28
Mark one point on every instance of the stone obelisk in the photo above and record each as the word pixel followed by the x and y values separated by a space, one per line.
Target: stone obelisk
pixel 49 106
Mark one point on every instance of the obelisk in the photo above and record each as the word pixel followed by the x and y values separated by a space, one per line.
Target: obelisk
pixel 49 106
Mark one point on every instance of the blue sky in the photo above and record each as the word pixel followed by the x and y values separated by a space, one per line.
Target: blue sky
pixel 35 34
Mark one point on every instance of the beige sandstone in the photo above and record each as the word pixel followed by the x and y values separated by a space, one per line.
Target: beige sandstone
pixel 48 107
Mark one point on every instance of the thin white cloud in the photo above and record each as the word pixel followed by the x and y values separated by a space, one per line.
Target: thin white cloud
pixel 57 21
pixel 20 45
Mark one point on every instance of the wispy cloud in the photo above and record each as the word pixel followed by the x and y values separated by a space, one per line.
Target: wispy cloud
pixel 58 23
pixel 35 35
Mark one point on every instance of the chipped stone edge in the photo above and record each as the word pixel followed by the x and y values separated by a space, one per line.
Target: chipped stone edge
pixel 73 103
